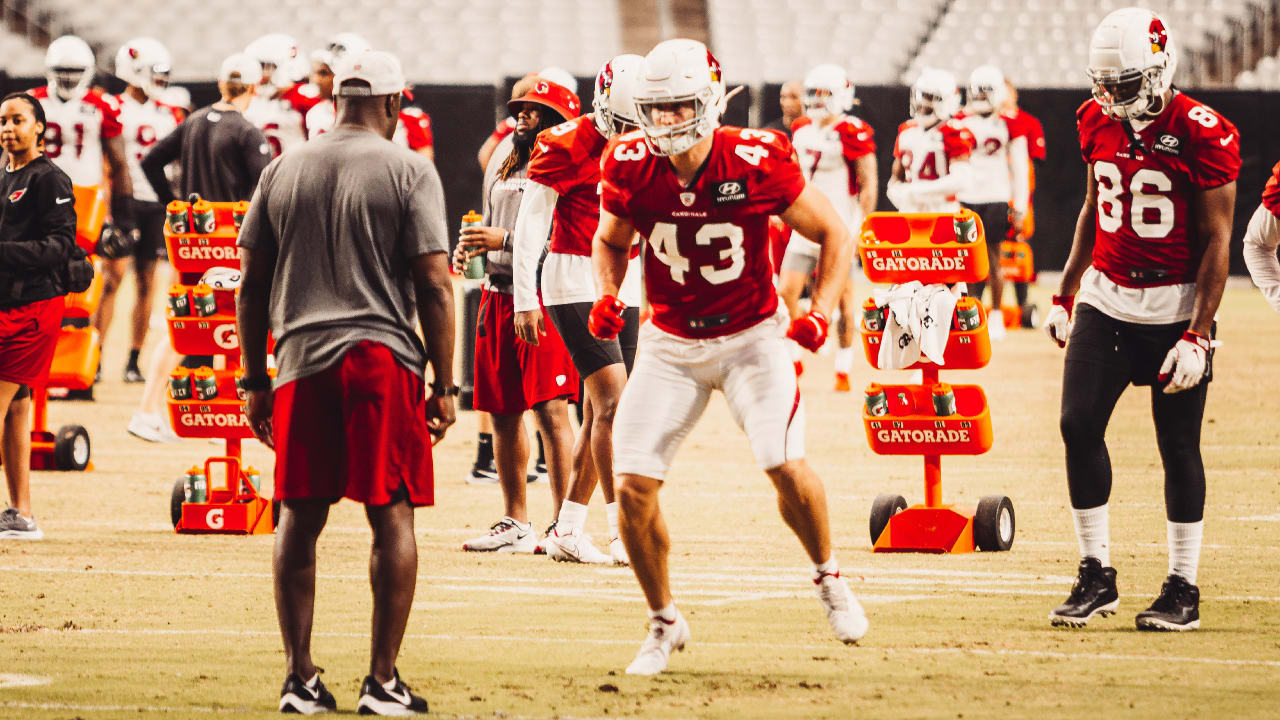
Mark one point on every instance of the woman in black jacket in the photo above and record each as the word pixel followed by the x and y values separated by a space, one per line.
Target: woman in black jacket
pixel 37 237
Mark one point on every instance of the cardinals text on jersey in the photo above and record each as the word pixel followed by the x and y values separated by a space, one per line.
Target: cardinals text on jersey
pixel 706 262
pixel 143 124
pixel 1146 230
pixel 566 158
pixel 74 131
pixel 927 154
pixel 827 155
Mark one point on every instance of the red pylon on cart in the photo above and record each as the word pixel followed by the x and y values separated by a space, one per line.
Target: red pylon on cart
pixel 932 419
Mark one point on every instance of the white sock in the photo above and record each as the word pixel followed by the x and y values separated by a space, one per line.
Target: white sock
pixel 830 567
pixel 312 682
pixel 1093 530
pixel 611 512
pixel 668 613
pixel 517 523
pixel 844 360
pixel 573 516
pixel 797 352
pixel 389 685
pixel 1184 549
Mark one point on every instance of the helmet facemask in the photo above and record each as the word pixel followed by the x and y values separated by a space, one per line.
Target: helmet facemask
pixel 980 100
pixel 925 105
pixel 1127 94
pixel 819 103
pixel 674 139
pixel 68 82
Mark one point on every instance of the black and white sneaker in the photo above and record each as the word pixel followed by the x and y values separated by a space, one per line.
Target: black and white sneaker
pixel 133 375
pixel 1177 609
pixel 14 526
pixel 1093 594
pixel 305 698
pixel 396 701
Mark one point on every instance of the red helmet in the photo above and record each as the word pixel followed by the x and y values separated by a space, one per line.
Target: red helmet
pixel 548 94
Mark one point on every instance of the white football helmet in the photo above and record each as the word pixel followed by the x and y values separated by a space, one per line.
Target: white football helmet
pixel 987 90
pixel 827 91
pixel 614 106
pixel 144 62
pixel 69 64
pixel 934 96
pixel 223 278
pixel 339 45
pixel 280 57
pixel 1131 63
pixel 679 71
pixel 561 77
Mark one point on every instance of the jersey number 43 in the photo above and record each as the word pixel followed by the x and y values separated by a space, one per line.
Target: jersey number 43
pixel 666 247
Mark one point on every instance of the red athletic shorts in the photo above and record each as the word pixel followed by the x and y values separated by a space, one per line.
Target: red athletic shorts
pixel 28 336
pixel 511 375
pixel 357 430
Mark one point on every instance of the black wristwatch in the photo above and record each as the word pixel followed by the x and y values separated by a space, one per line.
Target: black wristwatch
pixel 255 383
pixel 441 390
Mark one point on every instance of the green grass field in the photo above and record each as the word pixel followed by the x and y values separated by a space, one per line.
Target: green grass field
pixel 115 616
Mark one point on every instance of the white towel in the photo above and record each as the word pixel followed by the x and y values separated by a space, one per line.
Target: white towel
pixel 919 321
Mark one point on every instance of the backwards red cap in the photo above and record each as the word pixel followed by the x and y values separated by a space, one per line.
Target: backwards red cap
pixel 551 95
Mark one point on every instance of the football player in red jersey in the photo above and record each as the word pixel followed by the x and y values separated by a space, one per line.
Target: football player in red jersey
pixel 1261 240
pixel 1141 285
pixel 562 202
pixel 838 154
pixel 931 153
pixel 702 195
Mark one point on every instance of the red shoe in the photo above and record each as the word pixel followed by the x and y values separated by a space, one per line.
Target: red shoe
pixel 842 382
pixel 799 368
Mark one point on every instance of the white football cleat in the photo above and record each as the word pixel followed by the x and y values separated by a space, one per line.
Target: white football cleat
pixel 663 638
pixel 618 552
pixel 995 324
pixel 574 546
pixel 844 612
pixel 151 427
pixel 506 535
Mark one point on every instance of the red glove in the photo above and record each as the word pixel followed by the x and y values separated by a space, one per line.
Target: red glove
pixel 809 331
pixel 605 320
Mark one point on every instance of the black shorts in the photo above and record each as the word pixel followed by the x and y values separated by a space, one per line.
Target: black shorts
pixel 1129 349
pixel 588 352
pixel 150 218
pixel 995 224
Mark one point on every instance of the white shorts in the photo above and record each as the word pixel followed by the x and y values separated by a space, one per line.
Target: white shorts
pixel 802 256
pixel 568 279
pixel 672 382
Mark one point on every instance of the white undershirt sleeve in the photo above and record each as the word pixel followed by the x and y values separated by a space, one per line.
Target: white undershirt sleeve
pixel 533 230
pixel 1260 242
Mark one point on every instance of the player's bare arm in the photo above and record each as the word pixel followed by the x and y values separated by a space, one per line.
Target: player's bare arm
pixel 1214 211
pixel 257 267
pixel 812 216
pixel 866 168
pixel 1082 242
pixel 433 293
pixel 113 150
pixel 610 251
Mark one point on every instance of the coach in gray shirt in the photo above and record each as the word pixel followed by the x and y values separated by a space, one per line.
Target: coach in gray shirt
pixel 344 237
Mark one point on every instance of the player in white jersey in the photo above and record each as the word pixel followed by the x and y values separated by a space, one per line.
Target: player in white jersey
pixel 83 128
pixel 837 154
pixel 280 106
pixel 931 154
pixel 144 64
pixel 999 167
pixel 413 128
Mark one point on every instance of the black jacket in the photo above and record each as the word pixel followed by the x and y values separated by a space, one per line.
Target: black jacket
pixel 37 232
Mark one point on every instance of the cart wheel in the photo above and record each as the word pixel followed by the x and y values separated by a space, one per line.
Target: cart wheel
pixel 993 523
pixel 885 506
pixel 275 514
pixel 71 448
pixel 1030 317
pixel 176 499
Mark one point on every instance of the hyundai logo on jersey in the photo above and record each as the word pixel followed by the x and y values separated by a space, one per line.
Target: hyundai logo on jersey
pixel 1168 144
pixel 730 191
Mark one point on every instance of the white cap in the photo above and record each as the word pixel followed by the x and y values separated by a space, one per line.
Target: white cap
pixel 380 69
pixel 240 68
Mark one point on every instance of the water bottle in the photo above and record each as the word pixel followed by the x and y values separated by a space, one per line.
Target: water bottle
pixel 475 266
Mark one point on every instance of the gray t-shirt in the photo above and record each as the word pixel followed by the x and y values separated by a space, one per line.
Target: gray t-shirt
pixel 502 204
pixel 345 213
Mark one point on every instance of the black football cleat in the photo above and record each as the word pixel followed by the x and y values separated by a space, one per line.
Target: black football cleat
pixel 1093 594
pixel 396 702
pixel 305 699
pixel 1177 609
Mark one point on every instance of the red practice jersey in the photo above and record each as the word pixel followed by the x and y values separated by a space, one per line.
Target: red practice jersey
pixel 566 158
pixel 1023 123
pixel 1271 193
pixel 706 262
pixel 414 129
pixel 1146 224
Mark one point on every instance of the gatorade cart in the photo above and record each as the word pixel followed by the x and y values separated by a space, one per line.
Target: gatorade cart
pixel 208 403
pixel 1017 265
pixel 934 418
pixel 75 359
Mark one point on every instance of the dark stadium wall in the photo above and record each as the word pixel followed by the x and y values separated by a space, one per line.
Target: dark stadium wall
pixel 463 116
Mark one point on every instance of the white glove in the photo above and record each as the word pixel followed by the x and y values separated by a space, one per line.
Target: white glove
pixel 1058 323
pixel 1184 366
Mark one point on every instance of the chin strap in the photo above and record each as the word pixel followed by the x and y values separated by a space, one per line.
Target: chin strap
pixel 1135 145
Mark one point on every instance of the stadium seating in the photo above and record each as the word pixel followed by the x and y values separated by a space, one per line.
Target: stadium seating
pixel 21 57
pixel 438 41
pixel 778 40
pixel 1045 43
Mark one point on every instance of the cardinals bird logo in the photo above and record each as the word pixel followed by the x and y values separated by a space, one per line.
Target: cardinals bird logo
pixel 16 195
pixel 1159 37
